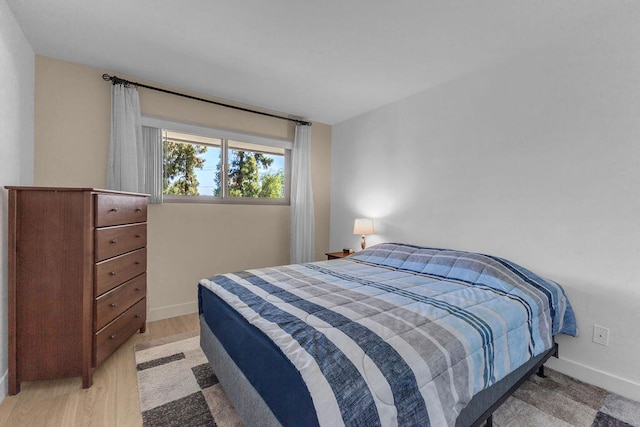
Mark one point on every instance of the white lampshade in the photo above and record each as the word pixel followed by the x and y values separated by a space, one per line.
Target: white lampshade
pixel 363 226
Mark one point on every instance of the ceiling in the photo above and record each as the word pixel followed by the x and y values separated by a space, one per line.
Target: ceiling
pixel 326 60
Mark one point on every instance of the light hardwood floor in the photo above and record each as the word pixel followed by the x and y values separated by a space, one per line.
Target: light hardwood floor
pixel 111 401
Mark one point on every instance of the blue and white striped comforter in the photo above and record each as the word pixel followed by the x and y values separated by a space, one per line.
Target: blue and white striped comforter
pixel 398 334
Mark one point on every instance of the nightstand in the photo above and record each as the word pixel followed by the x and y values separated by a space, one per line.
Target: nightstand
pixel 336 255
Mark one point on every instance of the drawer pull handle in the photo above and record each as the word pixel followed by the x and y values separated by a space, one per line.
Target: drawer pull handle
pixel 112 336
pixel 138 235
pixel 113 210
pixel 114 241
pixel 137 262
pixel 113 273
pixel 138 209
pixel 113 304
pixel 137 316
pixel 136 289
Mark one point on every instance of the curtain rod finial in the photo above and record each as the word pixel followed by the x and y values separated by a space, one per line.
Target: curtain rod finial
pixel 106 77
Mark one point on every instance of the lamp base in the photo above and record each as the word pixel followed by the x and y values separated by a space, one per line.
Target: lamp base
pixel 363 242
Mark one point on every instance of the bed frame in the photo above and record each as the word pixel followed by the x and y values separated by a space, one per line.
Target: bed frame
pixel 254 411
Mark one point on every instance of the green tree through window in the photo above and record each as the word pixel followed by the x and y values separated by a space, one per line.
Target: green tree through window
pixel 245 179
pixel 180 163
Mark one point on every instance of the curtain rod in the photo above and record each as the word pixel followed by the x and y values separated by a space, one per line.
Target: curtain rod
pixel 117 80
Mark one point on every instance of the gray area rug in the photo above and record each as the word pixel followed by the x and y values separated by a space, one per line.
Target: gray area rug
pixel 179 388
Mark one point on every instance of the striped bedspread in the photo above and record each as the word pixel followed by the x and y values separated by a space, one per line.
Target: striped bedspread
pixel 398 334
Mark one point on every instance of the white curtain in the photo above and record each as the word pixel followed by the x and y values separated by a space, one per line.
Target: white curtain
pixel 152 162
pixel 124 170
pixel 302 221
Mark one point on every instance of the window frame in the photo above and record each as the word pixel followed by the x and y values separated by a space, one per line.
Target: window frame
pixel 225 136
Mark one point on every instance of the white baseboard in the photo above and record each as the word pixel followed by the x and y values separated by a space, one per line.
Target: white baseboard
pixel 172 311
pixel 4 385
pixel 607 381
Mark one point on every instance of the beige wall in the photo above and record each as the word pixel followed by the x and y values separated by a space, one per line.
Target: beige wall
pixel 187 241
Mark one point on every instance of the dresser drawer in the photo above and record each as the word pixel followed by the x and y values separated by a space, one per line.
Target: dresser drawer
pixel 108 339
pixel 118 300
pixel 116 210
pixel 112 241
pixel 115 271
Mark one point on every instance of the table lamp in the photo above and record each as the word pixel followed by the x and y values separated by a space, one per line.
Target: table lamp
pixel 363 226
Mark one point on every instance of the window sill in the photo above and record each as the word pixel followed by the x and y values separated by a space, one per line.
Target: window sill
pixel 226 201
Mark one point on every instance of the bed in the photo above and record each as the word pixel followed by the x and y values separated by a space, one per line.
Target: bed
pixel 393 335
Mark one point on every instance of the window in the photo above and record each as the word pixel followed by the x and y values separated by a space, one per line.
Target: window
pixel 254 171
pixel 226 169
pixel 190 165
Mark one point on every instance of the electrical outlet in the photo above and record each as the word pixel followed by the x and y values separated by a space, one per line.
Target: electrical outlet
pixel 600 335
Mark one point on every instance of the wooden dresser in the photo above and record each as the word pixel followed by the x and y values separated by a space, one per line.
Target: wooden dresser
pixel 77 279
